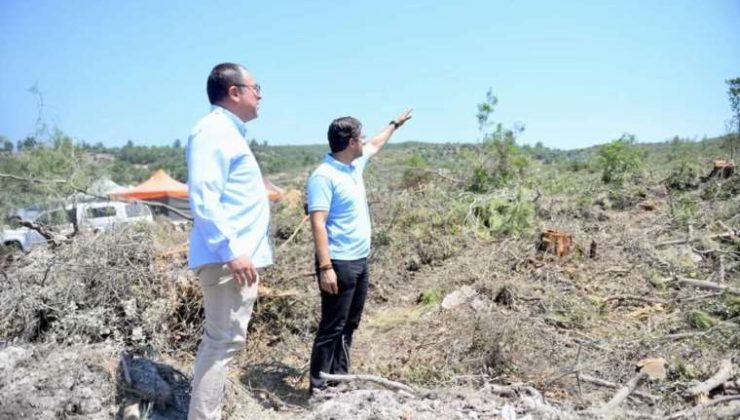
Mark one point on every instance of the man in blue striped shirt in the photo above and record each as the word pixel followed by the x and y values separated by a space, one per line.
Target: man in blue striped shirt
pixel 229 243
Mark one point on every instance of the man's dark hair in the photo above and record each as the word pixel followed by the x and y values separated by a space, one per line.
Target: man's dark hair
pixel 341 131
pixel 222 77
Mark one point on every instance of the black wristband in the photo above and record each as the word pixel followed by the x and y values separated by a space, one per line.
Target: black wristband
pixel 394 124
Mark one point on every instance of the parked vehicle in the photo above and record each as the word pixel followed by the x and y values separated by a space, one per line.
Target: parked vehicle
pixel 87 216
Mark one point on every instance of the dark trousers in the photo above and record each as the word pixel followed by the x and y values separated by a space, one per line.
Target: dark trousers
pixel 340 317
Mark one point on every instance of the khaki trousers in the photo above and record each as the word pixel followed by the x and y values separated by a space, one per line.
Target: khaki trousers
pixel 228 308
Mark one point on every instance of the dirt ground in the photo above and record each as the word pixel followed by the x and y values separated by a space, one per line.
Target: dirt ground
pixel 481 326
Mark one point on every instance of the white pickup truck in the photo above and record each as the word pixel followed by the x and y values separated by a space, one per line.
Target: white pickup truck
pixel 88 215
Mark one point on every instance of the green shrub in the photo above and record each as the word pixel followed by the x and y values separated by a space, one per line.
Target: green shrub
pixel 503 216
pixel 684 209
pixel 431 297
pixel 684 176
pixel 416 172
pixel 619 159
pixel 721 189
pixel 499 160
pixel 701 320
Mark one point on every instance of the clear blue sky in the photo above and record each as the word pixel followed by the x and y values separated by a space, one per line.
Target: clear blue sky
pixel 575 73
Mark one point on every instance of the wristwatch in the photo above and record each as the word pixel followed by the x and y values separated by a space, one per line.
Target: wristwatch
pixel 394 124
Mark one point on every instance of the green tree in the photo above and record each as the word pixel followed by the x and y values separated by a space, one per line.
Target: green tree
pixel 6 146
pixel 500 159
pixel 29 143
pixel 733 139
pixel 48 174
pixel 619 159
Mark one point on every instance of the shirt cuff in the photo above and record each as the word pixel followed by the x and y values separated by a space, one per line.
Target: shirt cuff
pixel 317 208
pixel 232 249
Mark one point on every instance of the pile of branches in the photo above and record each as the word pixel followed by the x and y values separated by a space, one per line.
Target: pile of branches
pixel 132 287
pixel 101 287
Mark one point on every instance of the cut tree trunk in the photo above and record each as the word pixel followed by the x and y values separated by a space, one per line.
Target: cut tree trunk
pixel 722 169
pixel 555 242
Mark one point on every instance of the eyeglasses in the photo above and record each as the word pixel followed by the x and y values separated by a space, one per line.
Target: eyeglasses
pixel 257 88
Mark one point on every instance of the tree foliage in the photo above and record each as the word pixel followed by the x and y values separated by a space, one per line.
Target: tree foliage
pixel 48 172
pixel 500 160
pixel 619 159
pixel 733 139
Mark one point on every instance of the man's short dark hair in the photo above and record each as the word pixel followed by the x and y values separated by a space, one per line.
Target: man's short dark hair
pixel 222 77
pixel 341 131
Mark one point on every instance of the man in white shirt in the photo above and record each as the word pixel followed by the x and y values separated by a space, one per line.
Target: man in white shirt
pixel 229 242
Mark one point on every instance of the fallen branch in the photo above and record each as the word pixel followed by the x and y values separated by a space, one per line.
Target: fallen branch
pixel 624 392
pixel 369 378
pixel 734 385
pixel 708 285
pixel 54 239
pixel 693 412
pixel 267 293
pixel 514 390
pixel 636 298
pixel 700 297
pixel 601 382
pixel 723 375
pixel 725 235
pixel 179 249
pixel 294 234
pixel 726 323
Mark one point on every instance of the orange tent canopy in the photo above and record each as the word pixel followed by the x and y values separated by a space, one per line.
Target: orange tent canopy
pixel 158 186
pixel 162 185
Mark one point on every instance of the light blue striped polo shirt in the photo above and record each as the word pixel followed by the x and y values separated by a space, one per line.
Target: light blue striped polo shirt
pixel 339 189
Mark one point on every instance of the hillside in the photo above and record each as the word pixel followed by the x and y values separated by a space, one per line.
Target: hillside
pixel 463 307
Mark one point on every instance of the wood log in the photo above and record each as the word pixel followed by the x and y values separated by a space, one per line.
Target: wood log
pixel 708 285
pixel 369 378
pixel 694 411
pixel 723 375
pixel 636 298
pixel 601 382
pixel 624 392
pixel 725 235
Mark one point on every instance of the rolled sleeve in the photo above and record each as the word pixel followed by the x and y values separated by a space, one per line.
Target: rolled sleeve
pixel 318 191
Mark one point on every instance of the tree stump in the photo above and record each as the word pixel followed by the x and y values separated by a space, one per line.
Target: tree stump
pixel 555 242
pixel 722 169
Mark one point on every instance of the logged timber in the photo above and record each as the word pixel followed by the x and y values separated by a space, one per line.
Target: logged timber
pixel 369 378
pixel 624 392
pixel 726 235
pixel 694 411
pixel 723 375
pixel 708 285
pixel 601 382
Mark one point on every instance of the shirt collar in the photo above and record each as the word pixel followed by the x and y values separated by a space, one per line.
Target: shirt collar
pixel 240 125
pixel 339 165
